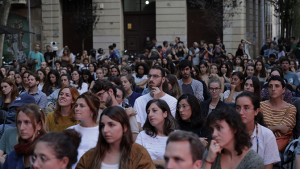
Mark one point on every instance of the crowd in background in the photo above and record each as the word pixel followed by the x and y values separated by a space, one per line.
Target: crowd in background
pixel 169 107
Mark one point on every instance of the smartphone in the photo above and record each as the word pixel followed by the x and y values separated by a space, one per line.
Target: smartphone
pixel 154 50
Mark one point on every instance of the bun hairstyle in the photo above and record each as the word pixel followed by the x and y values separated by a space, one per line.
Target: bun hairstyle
pixel 64 144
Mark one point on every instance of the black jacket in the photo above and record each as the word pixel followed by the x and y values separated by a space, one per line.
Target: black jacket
pixel 204 106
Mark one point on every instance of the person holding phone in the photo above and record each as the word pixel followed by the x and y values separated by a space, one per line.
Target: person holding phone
pixel 180 51
pixel 153 55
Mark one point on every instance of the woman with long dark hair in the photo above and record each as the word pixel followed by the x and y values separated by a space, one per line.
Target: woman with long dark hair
pixel 238 65
pixel 260 70
pixel 158 125
pixel 249 71
pixel 252 84
pixel 106 71
pixel 240 50
pixel 43 76
pixel 53 82
pixel 92 70
pixel 236 87
pixel 66 57
pixel 225 73
pixel 231 142
pixel 173 86
pixel 78 82
pixel 115 139
pixel 18 79
pixel 204 70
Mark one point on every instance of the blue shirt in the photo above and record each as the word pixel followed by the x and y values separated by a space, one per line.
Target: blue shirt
pixel 40 98
pixel 14 161
pixel 37 56
pixel 113 55
pixel 292 78
pixel 133 97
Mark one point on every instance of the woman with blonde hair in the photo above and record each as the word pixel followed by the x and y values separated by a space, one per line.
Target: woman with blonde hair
pixel 85 55
pixel 30 122
pixel 66 57
pixel 64 113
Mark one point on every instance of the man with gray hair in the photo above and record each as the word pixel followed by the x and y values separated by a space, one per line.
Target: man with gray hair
pixel 194 52
pixel 184 150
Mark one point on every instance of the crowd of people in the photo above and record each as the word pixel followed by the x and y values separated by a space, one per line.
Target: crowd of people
pixel 170 107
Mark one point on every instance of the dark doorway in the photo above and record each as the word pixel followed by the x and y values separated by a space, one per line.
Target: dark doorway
pixel 198 28
pixel 69 35
pixel 139 23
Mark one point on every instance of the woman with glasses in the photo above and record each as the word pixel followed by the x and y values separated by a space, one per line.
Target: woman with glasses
pixel 262 139
pixel 140 75
pixel 78 82
pixel 252 84
pixel 56 150
pixel 158 125
pixel 30 122
pixel 86 111
pixel 214 70
pixel 127 82
pixel 236 87
pixel 231 143
pixel 214 88
pixel 64 113
pixel 53 82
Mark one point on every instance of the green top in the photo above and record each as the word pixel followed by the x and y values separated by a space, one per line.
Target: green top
pixel 250 161
pixel 9 140
pixel 294 46
pixel 62 123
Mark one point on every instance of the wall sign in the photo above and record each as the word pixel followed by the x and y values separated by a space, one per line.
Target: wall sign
pixel 129 26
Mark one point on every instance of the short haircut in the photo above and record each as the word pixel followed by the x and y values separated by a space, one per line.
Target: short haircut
pixel 122 89
pixel 114 45
pixel 196 146
pixel 278 78
pixel 184 63
pixel 162 70
pixel 272 56
pixel 103 85
pixel 165 42
pixel 159 47
pixel 57 62
pixel 85 59
pixel 282 59
pixel 36 76
pixel 293 38
pixel 111 47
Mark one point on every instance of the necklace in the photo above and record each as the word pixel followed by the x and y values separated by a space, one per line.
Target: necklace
pixel 213 106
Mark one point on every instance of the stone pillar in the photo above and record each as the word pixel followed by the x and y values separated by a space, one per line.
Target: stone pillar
pixel 52 23
pixel 110 28
pixel 171 20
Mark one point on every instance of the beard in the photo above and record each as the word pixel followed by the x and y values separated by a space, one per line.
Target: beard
pixel 185 76
pixel 108 102
pixel 158 85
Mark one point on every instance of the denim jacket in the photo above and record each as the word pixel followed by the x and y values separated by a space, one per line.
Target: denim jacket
pixel 10 114
pixel 14 161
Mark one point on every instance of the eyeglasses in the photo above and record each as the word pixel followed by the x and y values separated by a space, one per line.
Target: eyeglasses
pixel 245 110
pixel 43 159
pixel 214 89
pixel 154 76
pixel 74 74
pixel 184 106
pixel 100 94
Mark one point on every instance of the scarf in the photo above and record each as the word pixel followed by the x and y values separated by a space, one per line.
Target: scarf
pixel 26 148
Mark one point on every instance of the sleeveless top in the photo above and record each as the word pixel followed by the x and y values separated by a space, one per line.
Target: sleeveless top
pixel 64 60
pixel 180 53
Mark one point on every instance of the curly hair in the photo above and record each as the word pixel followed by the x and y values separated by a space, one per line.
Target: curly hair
pixel 170 123
pixel 233 119
pixel 144 65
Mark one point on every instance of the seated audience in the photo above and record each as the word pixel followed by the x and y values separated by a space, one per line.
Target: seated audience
pixel 173 86
pixel 236 87
pixel 127 82
pixel 78 82
pixel 52 83
pixel 252 84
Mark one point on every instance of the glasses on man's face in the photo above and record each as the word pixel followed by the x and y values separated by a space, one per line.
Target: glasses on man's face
pixel 100 95
pixel 154 76
pixel 214 89
pixel 245 110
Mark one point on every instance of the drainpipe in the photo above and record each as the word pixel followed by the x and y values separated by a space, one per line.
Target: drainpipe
pixel 262 21
pixel 29 20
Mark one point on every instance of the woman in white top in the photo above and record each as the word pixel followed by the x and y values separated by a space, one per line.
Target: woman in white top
pixel 78 82
pixel 140 75
pixel 86 111
pixel 262 138
pixel 159 124
pixel 42 75
pixel 236 87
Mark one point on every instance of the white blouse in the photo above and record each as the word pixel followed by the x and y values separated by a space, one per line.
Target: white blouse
pixel 156 146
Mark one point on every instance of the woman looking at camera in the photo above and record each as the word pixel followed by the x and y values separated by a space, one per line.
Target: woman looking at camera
pixel 115 140
pixel 231 145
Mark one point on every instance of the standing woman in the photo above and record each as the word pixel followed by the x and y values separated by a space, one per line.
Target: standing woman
pixel 86 111
pixel 18 79
pixel 236 87
pixel 53 82
pixel 252 84
pixel 249 71
pixel 85 55
pixel 99 75
pixel 207 106
pixel 64 113
pixel 30 122
pixel 9 92
pixel 60 147
pixel 159 124
pixel 231 144
pixel 262 139
pixel 66 57
pixel 260 71
pixel 115 140
pixel 43 76
pixel 204 70
pixel 173 86
pixel 190 117
pixel 78 82
pixel 127 82
pixel 92 69
pixel 240 51
pixel 140 76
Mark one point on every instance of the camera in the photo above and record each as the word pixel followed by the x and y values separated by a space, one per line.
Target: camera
pixel 54 46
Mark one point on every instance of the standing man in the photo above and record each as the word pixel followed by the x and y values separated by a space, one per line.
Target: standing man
pixel 265 47
pixel 156 78
pixel 117 52
pixel 219 48
pixel 39 96
pixel 187 84
pixel 291 77
pixel 43 65
pixel 293 46
pixel 194 52
pixel 113 54
pixel 49 55
pixel 177 40
pixel 154 42
pixel 37 56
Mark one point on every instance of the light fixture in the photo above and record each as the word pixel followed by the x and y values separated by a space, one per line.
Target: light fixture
pixel 147 2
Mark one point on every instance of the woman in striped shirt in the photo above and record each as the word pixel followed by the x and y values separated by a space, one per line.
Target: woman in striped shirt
pixel 279 116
